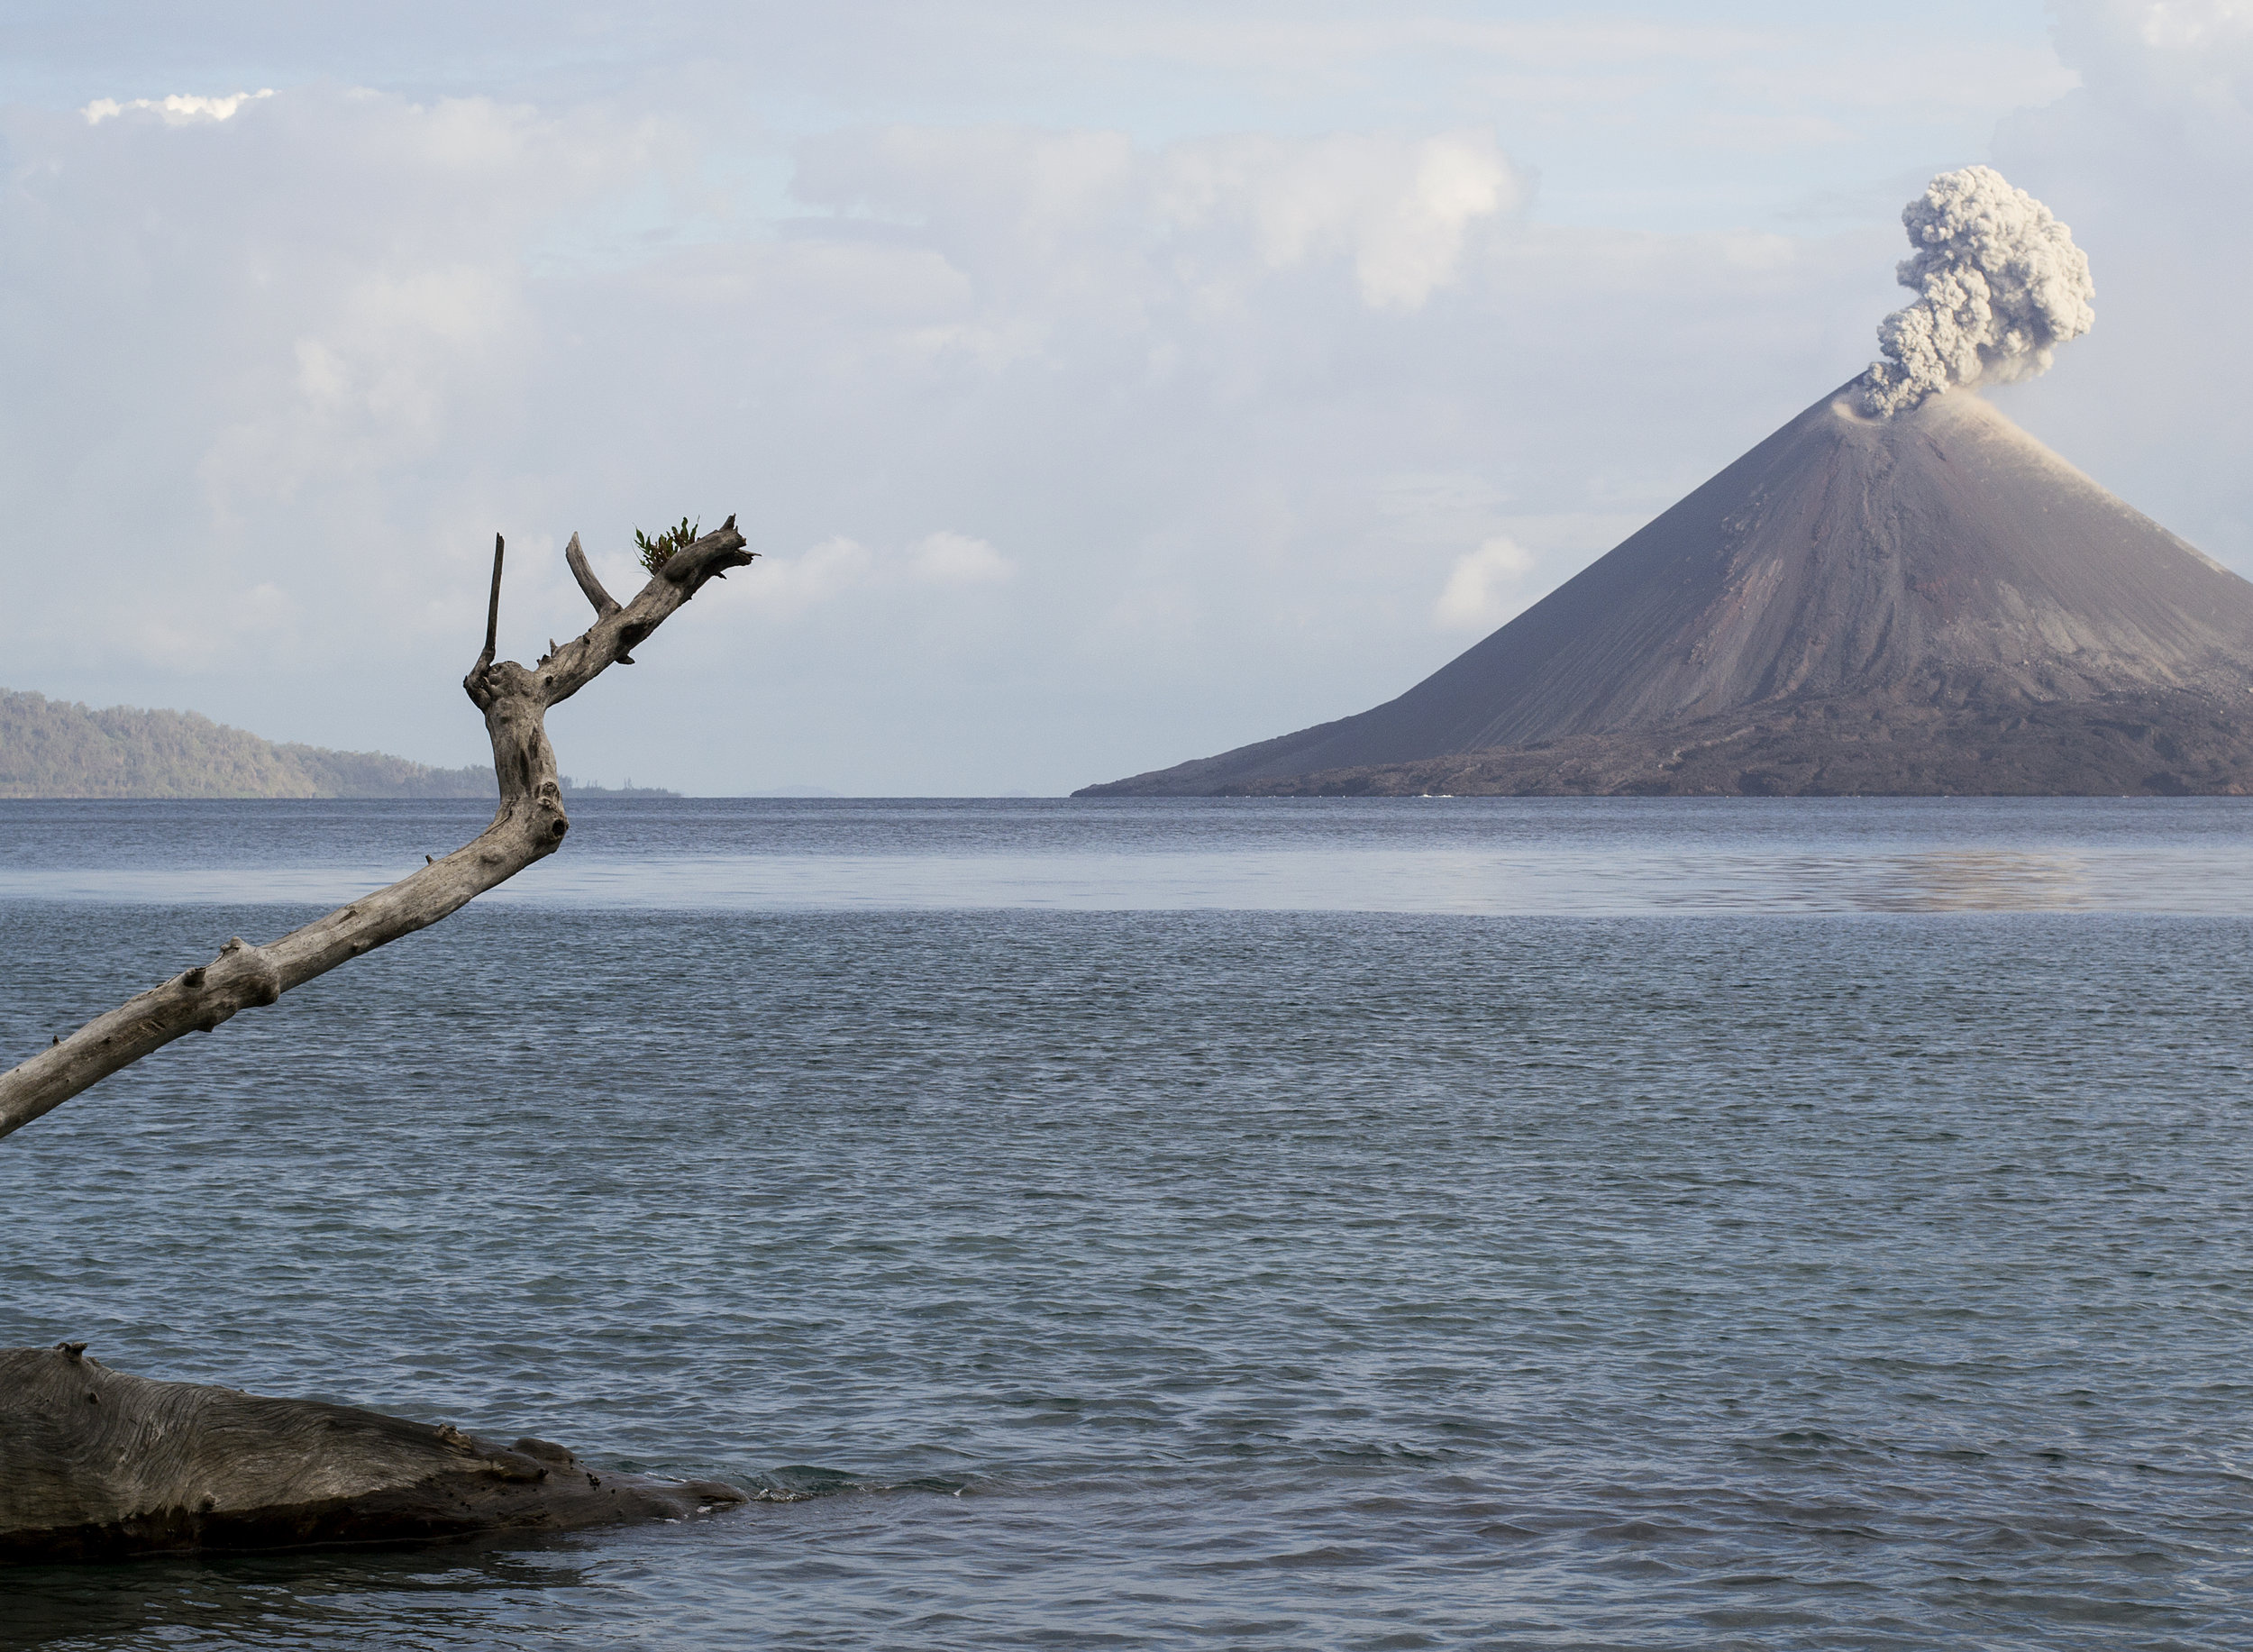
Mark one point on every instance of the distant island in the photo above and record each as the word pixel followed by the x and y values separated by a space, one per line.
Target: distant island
pixel 1926 603
pixel 58 749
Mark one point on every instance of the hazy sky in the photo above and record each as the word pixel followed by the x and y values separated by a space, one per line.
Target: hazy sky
pixel 1106 385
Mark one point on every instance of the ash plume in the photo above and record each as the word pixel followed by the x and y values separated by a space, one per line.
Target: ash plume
pixel 1999 285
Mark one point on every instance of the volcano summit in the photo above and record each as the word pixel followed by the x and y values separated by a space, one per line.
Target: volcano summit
pixel 1898 592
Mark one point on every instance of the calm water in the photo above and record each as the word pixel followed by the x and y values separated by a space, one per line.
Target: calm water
pixel 1764 1224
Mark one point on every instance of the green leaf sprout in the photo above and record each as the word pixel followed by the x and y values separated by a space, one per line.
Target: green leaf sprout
pixel 656 552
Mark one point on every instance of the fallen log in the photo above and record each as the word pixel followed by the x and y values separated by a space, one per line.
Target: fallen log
pixel 99 1465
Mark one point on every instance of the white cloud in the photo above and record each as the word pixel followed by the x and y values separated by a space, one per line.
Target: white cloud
pixel 818 574
pixel 1484 588
pixel 2194 25
pixel 1397 208
pixel 176 110
pixel 957 559
pixel 1090 215
pixel 2149 161
pixel 210 628
pixel 839 567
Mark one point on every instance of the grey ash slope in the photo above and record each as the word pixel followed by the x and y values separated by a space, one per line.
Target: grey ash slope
pixel 1934 602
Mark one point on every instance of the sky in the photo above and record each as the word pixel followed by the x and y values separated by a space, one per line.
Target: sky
pixel 1103 385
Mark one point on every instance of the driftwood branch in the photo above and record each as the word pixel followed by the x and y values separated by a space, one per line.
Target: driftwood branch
pixel 528 826
pixel 605 605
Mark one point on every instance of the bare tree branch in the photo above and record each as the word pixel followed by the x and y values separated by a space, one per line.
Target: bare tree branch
pixel 605 605
pixel 528 826
pixel 493 608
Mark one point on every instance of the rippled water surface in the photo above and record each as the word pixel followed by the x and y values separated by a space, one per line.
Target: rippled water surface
pixel 1762 1224
pixel 1496 857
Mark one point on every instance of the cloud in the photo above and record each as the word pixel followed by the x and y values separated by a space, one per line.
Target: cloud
pixel 838 568
pixel 176 110
pixel 211 627
pixel 957 559
pixel 1397 208
pixel 2141 159
pixel 2177 40
pixel 1091 212
pixel 818 574
pixel 1484 588
pixel 266 332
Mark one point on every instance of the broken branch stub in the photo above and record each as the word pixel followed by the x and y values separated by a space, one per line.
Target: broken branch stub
pixel 528 826
pixel 605 605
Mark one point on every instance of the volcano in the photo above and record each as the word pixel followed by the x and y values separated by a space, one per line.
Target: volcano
pixel 1931 602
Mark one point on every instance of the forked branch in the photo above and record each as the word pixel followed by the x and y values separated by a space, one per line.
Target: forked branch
pixel 528 826
pixel 605 605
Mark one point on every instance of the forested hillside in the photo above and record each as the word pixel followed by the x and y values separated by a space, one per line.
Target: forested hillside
pixel 58 749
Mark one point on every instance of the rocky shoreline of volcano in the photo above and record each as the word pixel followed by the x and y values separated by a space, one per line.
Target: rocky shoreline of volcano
pixel 2125 745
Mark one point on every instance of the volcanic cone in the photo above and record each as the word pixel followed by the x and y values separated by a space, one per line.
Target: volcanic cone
pixel 1929 602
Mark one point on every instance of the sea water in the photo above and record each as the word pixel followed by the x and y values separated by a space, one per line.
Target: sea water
pixel 1270 1224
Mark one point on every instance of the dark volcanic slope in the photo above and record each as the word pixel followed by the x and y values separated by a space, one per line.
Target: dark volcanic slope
pixel 1942 560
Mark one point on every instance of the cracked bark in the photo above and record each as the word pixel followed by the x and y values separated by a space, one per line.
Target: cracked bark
pixel 529 826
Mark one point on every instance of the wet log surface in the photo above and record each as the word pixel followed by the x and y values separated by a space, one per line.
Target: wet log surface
pixel 97 1465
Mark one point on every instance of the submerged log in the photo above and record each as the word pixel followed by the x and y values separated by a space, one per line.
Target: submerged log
pixel 96 1465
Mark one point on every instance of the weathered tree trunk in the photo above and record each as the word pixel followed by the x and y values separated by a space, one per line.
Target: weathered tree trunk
pixel 530 824
pixel 100 1465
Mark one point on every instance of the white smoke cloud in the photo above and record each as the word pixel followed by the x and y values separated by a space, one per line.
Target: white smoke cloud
pixel 2000 285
